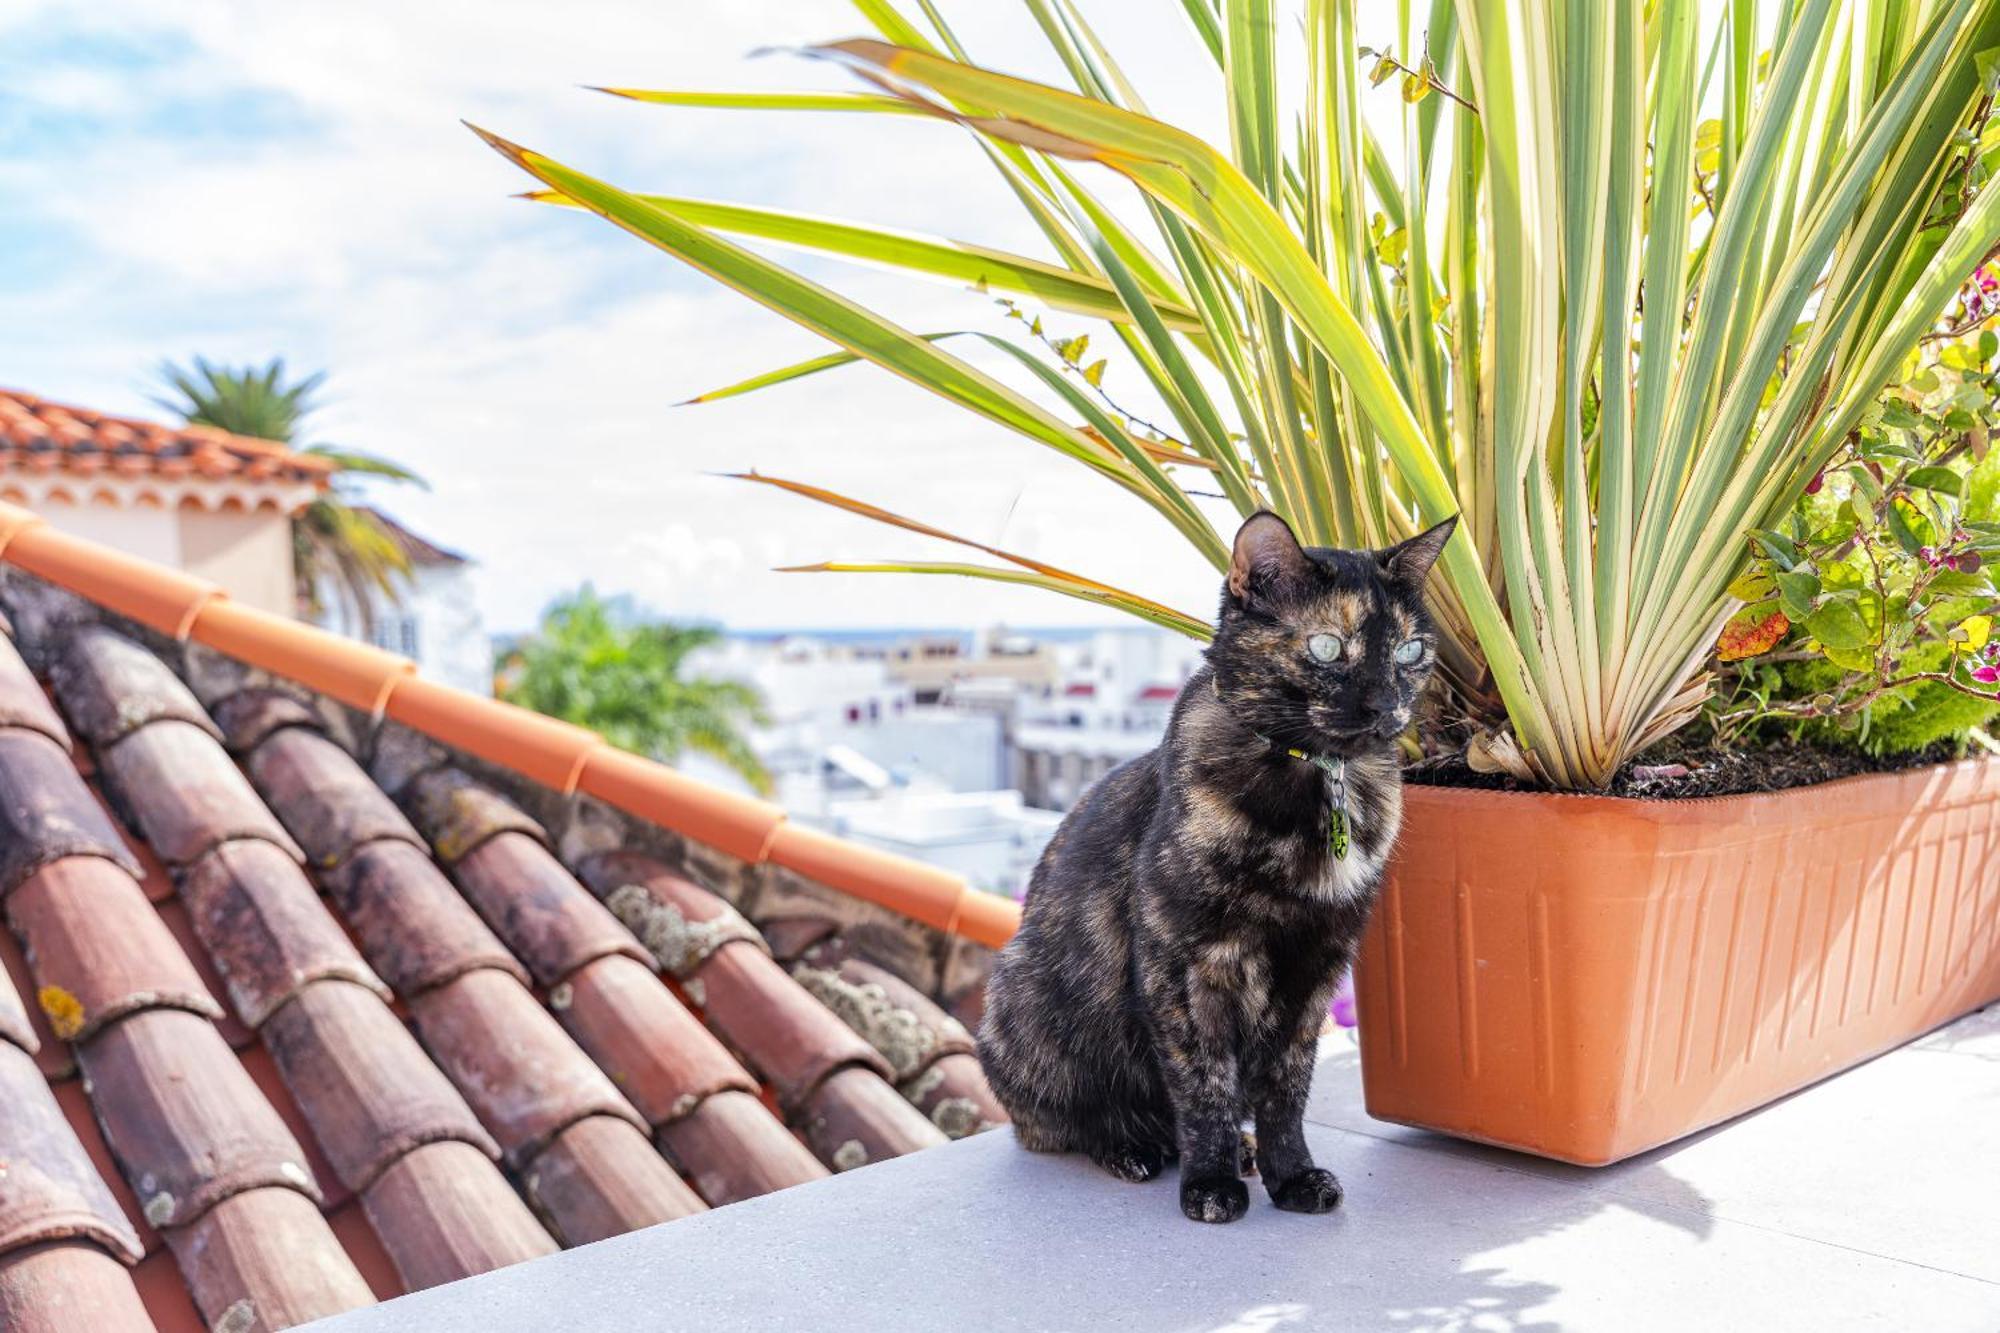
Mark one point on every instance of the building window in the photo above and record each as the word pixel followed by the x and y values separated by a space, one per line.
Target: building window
pixel 397 634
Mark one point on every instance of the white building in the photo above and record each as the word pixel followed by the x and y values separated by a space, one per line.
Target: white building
pixel 1118 692
pixel 958 749
pixel 436 622
pixel 990 837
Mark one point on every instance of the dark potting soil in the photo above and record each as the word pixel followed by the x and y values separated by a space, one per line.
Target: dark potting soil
pixel 1677 769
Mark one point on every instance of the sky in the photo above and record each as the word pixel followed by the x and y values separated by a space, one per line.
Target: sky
pixel 243 181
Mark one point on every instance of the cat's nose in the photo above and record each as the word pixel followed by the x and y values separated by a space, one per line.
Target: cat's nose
pixel 1381 701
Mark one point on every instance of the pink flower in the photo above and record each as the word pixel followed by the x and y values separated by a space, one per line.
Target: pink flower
pixel 1343 1009
pixel 1987 675
pixel 1819 480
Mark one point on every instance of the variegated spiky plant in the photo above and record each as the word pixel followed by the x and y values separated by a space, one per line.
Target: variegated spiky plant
pixel 1637 275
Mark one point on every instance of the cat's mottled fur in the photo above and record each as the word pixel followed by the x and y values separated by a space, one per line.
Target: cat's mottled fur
pixel 1187 925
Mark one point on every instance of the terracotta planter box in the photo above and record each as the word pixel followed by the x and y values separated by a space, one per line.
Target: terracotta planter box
pixel 1588 977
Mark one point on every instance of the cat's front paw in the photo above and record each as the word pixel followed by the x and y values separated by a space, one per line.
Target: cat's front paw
pixel 1219 1199
pixel 1311 1191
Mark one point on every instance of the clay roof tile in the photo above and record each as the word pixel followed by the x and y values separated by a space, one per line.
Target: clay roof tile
pixel 444 1212
pixel 365 1086
pixel 49 1190
pixel 732 1148
pixel 98 949
pixel 46 813
pixel 265 1259
pixel 188 1127
pixel 854 1118
pixel 457 812
pixel 954 1094
pixel 414 927
pixel 53 1055
pixel 657 1052
pixel 525 1079
pixel 248 716
pixel 65 1286
pixel 322 796
pixel 601 1178
pixel 779 1030
pixel 110 686
pixel 266 929
pixel 23 703
pixel 549 920
pixel 897 1019
pixel 680 922
pixel 14 1024
pixel 185 795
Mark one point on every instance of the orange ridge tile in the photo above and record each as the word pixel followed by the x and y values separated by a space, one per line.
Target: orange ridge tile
pixel 741 826
pixel 922 892
pixel 160 598
pixel 357 674
pixel 543 749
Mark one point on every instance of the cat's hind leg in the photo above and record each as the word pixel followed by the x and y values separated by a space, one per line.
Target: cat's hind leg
pixel 1134 1162
pixel 1132 1137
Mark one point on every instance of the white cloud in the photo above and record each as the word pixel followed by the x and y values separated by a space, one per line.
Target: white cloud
pixel 248 180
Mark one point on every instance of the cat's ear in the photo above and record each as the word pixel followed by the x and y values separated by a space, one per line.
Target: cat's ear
pixel 1408 564
pixel 1266 558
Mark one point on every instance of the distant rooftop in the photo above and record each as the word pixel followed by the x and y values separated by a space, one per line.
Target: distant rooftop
pixel 417 550
pixel 53 449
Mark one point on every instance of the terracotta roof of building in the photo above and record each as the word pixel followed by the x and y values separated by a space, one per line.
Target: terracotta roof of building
pixel 42 439
pixel 415 549
pixel 323 982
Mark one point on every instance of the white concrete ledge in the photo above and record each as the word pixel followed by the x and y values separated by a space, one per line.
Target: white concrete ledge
pixel 1869 1202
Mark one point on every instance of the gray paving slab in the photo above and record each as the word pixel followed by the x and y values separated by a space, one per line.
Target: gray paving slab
pixel 1899 1157
pixel 1858 1204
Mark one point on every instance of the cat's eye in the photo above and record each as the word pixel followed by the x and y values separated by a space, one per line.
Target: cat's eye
pixel 1324 647
pixel 1410 652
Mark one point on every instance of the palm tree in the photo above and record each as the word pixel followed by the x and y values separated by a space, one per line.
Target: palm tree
pixel 335 544
pixel 624 682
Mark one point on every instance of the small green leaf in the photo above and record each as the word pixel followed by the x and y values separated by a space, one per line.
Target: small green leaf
pixel 1900 527
pixel 1849 659
pixel 1797 590
pixel 1935 478
pixel 1753 586
pixel 1776 545
pixel 1837 624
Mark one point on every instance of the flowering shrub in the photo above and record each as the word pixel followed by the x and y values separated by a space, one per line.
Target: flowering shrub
pixel 1870 613
pixel 1343 1009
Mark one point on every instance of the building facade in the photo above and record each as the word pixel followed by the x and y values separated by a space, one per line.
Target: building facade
pixel 216 505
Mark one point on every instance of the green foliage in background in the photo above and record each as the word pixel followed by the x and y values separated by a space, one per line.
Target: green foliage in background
pixel 626 682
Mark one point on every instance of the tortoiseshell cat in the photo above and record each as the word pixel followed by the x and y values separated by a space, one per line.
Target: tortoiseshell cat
pixel 1186 927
